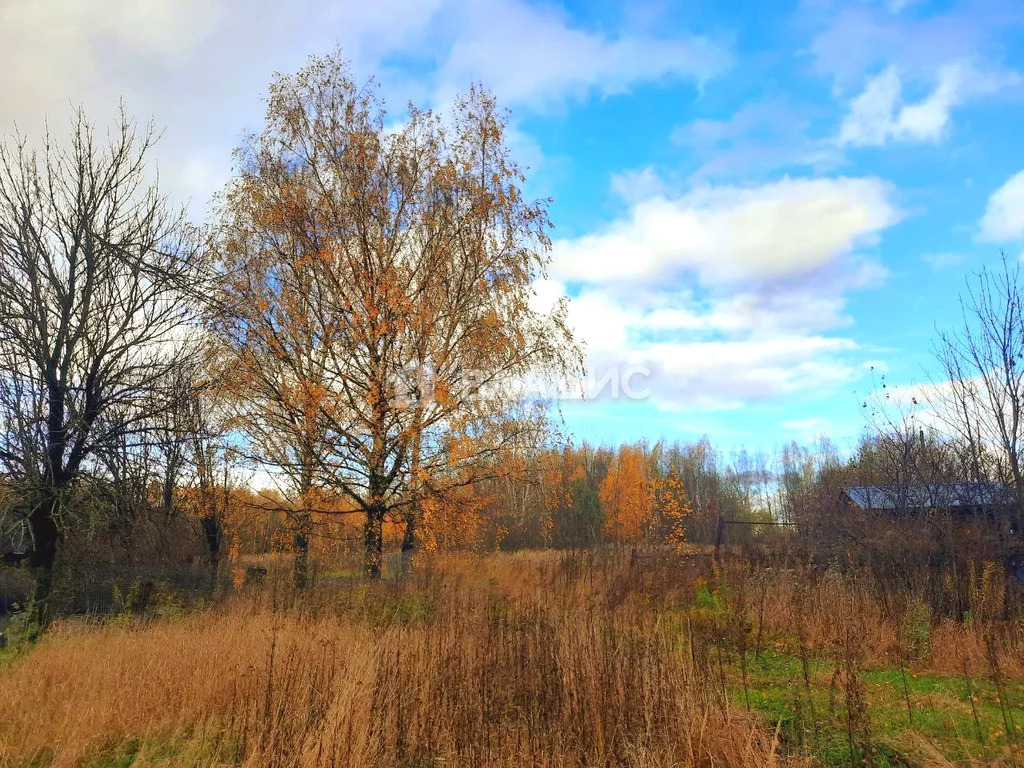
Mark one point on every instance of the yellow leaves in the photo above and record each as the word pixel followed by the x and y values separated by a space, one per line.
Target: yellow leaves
pixel 358 252
pixel 641 501
pixel 561 471
pixel 453 520
pixel 461 448
pixel 442 393
pixel 672 509
pixel 626 497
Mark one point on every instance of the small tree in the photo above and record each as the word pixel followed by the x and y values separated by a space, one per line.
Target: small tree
pixel 627 496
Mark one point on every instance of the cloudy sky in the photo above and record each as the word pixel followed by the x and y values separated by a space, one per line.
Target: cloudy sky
pixel 760 204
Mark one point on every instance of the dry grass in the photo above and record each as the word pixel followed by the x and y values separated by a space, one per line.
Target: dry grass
pixel 826 613
pixel 453 670
pixel 511 660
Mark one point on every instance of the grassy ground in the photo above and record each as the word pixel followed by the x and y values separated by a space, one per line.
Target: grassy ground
pixel 907 717
pixel 530 659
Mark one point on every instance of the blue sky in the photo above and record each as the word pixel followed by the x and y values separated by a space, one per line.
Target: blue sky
pixel 764 204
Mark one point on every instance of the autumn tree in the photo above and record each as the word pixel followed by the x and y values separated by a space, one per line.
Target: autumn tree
pixel 274 333
pixel 97 279
pixel 643 496
pixel 385 274
pixel 627 496
pixel 671 508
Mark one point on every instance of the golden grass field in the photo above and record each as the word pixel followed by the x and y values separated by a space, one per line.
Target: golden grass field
pixel 514 660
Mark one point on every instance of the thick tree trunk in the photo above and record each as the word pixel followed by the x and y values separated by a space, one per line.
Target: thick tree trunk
pixel 373 542
pixel 45 543
pixel 303 524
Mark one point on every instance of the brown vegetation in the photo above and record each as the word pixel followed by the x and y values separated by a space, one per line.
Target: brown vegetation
pixel 523 662
pixel 527 659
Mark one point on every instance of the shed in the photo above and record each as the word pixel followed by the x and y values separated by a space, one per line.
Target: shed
pixel 964 499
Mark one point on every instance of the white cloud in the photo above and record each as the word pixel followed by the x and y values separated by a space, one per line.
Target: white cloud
pixel 730 294
pixel 717 353
pixel 731 234
pixel 200 67
pixel 1004 215
pixel 531 55
pixel 638 185
pixel 880 114
pixel 860 38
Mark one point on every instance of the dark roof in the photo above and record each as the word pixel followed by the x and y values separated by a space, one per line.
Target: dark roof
pixel 930 496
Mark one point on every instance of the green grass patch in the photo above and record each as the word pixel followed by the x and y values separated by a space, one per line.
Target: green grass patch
pixel 11 654
pixel 815 720
pixel 382 608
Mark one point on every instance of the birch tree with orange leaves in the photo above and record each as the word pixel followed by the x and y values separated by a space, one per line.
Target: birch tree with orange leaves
pixel 403 260
pixel 642 499
pixel 627 496
pixel 672 508
pixel 274 337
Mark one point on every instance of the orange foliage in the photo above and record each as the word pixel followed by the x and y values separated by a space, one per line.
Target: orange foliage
pixel 453 521
pixel 672 508
pixel 641 501
pixel 627 497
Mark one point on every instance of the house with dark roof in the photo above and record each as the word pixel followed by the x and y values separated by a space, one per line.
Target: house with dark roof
pixel 992 504
pixel 960 499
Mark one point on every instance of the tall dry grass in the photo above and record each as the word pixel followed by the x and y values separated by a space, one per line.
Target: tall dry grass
pixel 583 659
pixel 485 663
pixel 824 611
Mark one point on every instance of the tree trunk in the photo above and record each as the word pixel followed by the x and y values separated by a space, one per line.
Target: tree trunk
pixel 300 546
pixel 45 542
pixel 212 534
pixel 409 537
pixel 373 542
pixel 409 540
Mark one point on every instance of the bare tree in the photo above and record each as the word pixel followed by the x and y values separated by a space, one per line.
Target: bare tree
pixel 982 401
pixel 196 461
pixel 96 271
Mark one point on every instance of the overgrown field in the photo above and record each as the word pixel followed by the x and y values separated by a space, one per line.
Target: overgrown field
pixel 539 659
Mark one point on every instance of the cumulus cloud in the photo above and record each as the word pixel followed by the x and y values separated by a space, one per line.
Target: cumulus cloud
pixel 1003 220
pixel 727 295
pixel 688 360
pixel 880 115
pixel 729 234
